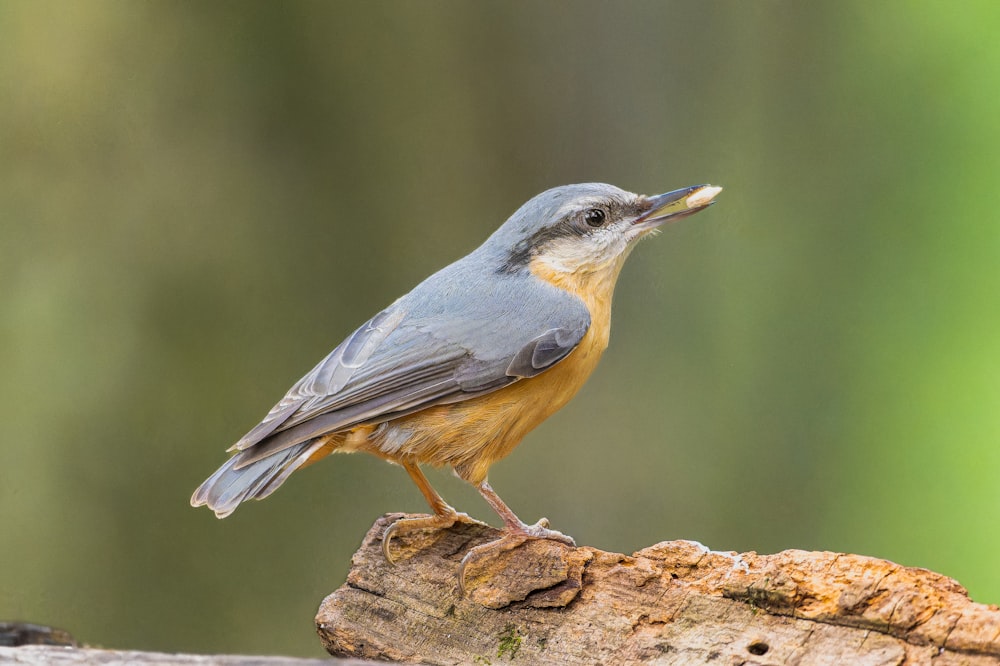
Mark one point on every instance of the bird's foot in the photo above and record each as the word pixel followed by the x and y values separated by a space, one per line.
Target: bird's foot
pixel 440 521
pixel 540 530
pixel 513 537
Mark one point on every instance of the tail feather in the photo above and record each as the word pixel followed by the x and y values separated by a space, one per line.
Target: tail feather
pixel 231 484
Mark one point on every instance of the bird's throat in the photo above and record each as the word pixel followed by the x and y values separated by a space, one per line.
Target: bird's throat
pixel 594 285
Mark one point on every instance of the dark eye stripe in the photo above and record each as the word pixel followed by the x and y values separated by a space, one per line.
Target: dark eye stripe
pixel 574 224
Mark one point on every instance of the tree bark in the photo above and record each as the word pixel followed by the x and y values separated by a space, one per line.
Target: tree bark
pixel 672 603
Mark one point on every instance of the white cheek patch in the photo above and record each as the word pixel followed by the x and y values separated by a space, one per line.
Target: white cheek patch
pixel 591 252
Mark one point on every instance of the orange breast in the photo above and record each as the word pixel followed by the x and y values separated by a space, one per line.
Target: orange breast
pixel 472 435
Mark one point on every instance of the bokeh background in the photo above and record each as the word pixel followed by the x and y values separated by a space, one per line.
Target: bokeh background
pixel 199 200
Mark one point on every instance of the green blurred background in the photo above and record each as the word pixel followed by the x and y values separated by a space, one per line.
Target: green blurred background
pixel 199 200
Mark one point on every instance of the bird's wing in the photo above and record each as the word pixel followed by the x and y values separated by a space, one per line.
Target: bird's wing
pixel 423 351
pixel 305 398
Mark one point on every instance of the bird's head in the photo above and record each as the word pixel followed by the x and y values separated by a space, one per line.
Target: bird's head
pixel 576 233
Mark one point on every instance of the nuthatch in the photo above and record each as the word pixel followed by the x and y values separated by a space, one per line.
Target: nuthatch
pixel 457 371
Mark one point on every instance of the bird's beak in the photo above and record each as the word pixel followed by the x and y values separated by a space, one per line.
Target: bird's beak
pixel 675 205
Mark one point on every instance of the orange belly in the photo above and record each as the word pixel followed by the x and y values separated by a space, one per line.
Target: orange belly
pixel 472 435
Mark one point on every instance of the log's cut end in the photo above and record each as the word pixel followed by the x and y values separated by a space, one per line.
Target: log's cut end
pixel 672 603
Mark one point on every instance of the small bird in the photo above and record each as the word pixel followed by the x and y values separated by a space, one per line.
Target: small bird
pixel 460 369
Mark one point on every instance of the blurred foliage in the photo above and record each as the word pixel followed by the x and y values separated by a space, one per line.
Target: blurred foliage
pixel 199 200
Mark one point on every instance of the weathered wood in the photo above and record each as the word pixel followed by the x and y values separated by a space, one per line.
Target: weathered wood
pixel 16 634
pixel 48 655
pixel 673 603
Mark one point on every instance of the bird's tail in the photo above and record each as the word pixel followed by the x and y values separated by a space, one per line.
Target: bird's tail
pixel 236 481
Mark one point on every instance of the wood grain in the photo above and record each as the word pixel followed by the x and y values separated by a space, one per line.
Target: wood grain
pixel 673 603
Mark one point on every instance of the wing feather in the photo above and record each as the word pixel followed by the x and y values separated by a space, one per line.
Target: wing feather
pixel 431 347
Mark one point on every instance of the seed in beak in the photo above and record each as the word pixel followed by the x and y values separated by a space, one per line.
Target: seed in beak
pixel 702 197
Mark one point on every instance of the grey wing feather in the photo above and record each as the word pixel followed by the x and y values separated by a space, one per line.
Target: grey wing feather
pixel 424 351
pixel 544 351
pixel 307 397
pixel 459 334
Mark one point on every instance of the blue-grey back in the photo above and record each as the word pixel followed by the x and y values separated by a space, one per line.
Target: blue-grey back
pixel 468 329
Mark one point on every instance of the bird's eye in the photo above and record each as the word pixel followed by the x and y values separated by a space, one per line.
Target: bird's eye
pixel 594 217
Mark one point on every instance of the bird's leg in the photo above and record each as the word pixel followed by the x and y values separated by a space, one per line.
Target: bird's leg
pixel 513 525
pixel 516 532
pixel 444 516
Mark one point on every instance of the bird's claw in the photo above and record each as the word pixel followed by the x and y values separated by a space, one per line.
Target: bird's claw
pixel 540 530
pixel 509 541
pixel 386 540
pixel 435 522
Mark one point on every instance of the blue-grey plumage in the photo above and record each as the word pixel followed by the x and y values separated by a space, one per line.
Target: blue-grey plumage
pixel 457 371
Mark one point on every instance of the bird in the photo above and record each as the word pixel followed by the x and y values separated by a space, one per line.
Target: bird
pixel 456 372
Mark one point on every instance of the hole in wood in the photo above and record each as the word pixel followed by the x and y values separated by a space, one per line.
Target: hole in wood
pixel 758 648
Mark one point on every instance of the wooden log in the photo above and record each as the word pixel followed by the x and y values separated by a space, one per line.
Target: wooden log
pixel 672 603
pixel 49 655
